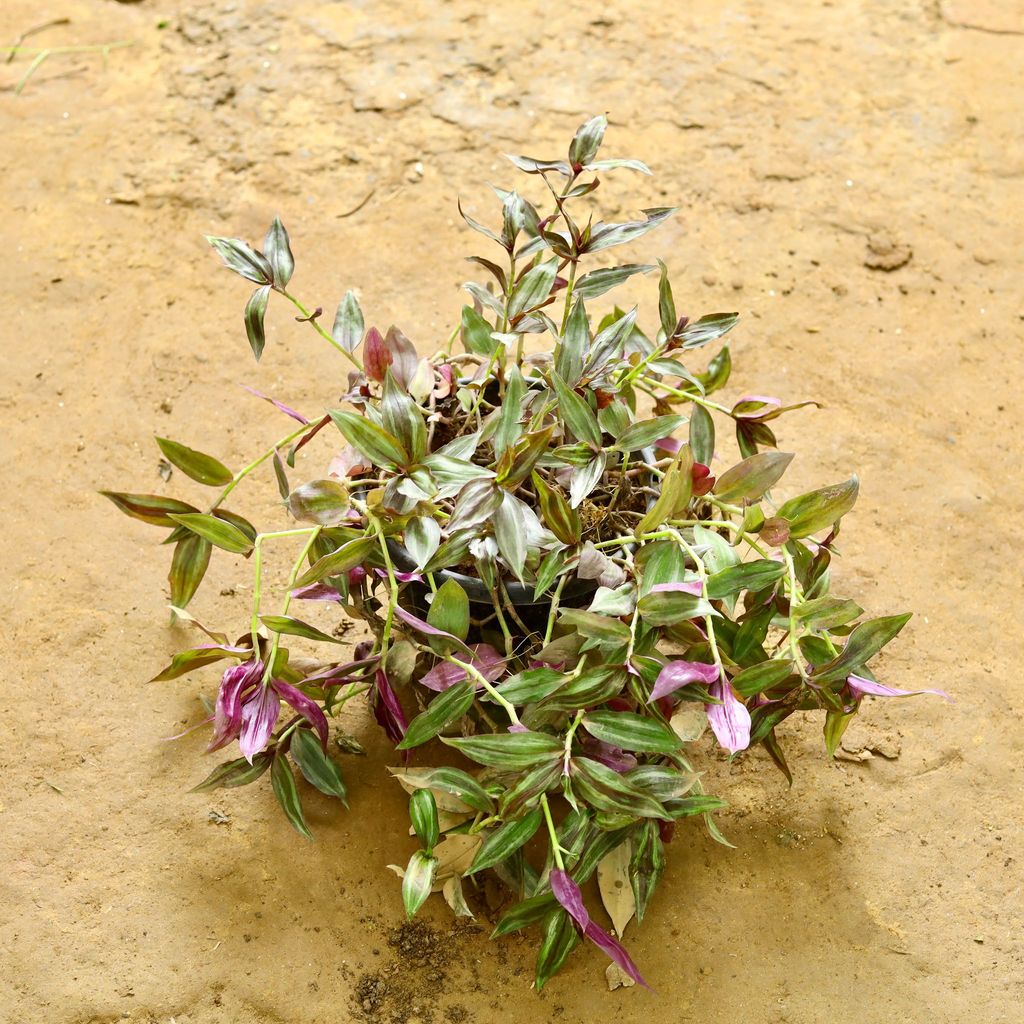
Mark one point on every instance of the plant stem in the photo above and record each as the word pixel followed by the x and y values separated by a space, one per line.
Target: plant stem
pixel 385 637
pixel 556 850
pixel 256 463
pixel 509 707
pixel 568 296
pixel 794 646
pixel 350 356
pixel 293 576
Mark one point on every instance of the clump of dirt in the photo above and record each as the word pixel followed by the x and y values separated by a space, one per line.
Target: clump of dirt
pixel 411 987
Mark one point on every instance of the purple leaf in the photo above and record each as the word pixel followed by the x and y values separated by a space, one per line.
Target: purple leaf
pixel 273 401
pixel 694 587
pixel 316 592
pixel 227 714
pixel 859 687
pixel 402 577
pixel 305 706
pixel 420 625
pixel 761 403
pixel 486 660
pixel 387 709
pixel 259 715
pixel 730 720
pixel 677 674
pixel 376 357
pixel 613 757
pixel 615 951
pixel 567 892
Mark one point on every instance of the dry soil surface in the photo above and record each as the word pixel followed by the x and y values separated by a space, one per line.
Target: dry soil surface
pixel 850 176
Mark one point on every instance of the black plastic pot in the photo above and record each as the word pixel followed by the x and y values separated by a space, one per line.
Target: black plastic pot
pixel 532 612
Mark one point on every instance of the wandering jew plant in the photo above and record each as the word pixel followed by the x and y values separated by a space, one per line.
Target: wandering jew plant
pixel 562 574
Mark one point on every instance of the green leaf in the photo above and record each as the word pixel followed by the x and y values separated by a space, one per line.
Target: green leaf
pixel 296 627
pixel 418 881
pixel 525 913
pixel 610 342
pixel 640 435
pixel 423 815
pixel 596 627
pixel 509 425
pixel 587 690
pixel 531 685
pixel 402 418
pixel 758 678
pixel 835 725
pixel 597 282
pixel 559 518
pixel 748 480
pixel 196 657
pixel 510 533
pixel 189 563
pixel 476 333
pixel 215 530
pixel 702 436
pixel 348 323
pixel 532 288
pixel 149 508
pixel 203 468
pixel 444 709
pixel 676 491
pixel 455 782
pixel 324 502
pixel 576 414
pixel 570 351
pixel 449 471
pixel 707 328
pixel 504 841
pixel 255 311
pixel 646 866
pixel 380 447
pixel 526 791
pixel 752 576
pixel 667 607
pixel 514 750
pixel 240 257
pixel 348 556
pixel 718 372
pixel 317 768
pixel 688 806
pixel 607 235
pixel 632 732
pixel 606 790
pixel 827 612
pixel 450 610
pixel 558 939
pixel 422 538
pixel 819 510
pixel 234 773
pixel 864 643
pixel 587 140
pixel 666 304
pixel 278 251
pixel 287 793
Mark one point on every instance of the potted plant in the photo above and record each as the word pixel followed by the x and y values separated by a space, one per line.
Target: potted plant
pixel 557 584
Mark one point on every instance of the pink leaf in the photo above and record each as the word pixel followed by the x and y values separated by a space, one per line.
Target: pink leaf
pixel 859 686
pixel 305 706
pixel 730 720
pixel 677 674
pixel 259 715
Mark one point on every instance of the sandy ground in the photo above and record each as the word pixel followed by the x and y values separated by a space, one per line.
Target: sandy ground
pixel 813 147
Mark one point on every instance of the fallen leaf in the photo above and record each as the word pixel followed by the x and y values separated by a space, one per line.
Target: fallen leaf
pixel 616 892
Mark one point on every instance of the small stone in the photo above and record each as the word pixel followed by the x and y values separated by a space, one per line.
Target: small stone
pixel 617 978
pixel 886 254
